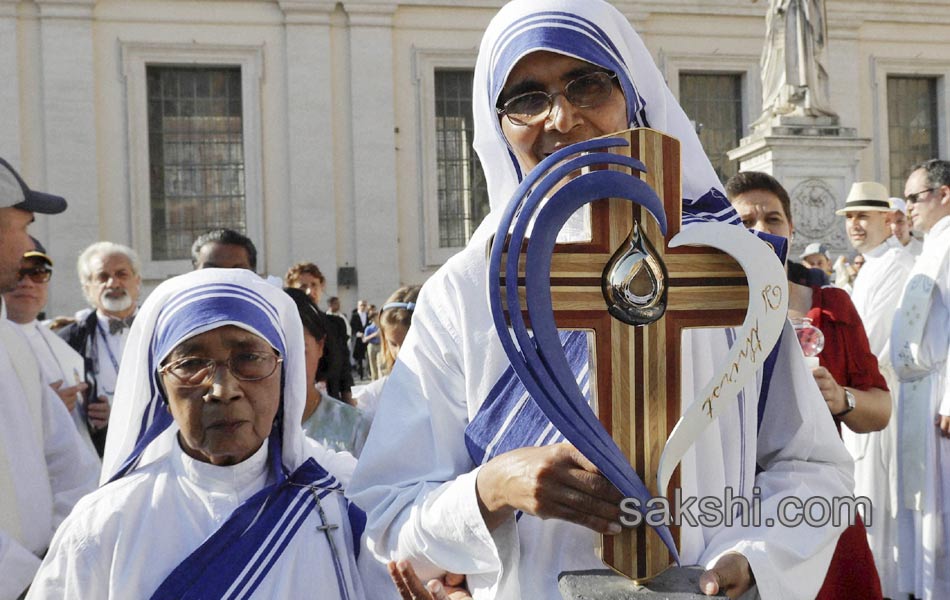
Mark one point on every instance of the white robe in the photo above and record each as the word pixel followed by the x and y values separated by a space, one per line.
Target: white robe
pixel 925 534
pixel 416 480
pixel 915 247
pixel 876 295
pixel 367 396
pixel 44 466
pixel 877 292
pixel 58 362
pixel 123 540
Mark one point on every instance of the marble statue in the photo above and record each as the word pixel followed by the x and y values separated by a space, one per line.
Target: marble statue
pixel 794 77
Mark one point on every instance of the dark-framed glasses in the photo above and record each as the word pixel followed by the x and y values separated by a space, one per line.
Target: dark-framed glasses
pixel 531 108
pixel 246 366
pixel 36 274
pixel 915 197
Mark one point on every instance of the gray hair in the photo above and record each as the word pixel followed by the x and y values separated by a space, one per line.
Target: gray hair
pixel 84 268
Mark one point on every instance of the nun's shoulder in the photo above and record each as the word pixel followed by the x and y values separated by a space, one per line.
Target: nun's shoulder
pixel 465 272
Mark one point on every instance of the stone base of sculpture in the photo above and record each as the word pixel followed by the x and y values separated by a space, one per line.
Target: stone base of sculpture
pixel 675 583
pixel 816 160
pixel 785 125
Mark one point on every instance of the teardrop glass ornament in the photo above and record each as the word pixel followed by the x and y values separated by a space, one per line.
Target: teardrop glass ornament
pixel 634 282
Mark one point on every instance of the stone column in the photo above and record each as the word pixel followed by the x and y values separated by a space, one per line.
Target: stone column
pixel 68 115
pixel 816 163
pixel 373 124
pixel 310 123
pixel 10 90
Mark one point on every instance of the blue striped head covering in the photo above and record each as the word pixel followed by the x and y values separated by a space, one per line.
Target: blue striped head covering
pixel 181 308
pixel 596 32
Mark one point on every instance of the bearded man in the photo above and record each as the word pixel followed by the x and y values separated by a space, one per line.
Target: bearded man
pixel 111 280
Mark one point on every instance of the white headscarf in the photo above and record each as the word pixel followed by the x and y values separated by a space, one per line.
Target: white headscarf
pixel 596 32
pixel 181 308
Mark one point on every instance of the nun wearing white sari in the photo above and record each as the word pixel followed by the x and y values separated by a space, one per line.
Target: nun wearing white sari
pixel 462 473
pixel 214 490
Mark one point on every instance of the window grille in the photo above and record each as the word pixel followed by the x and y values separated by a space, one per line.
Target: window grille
pixel 713 101
pixel 196 155
pixel 911 125
pixel 462 192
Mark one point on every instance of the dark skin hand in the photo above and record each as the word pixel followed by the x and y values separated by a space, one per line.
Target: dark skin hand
pixel 550 482
pixel 731 574
pixel 450 587
pixel 943 424
pixel 558 482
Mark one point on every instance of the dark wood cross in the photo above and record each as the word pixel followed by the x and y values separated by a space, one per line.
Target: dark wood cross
pixel 706 288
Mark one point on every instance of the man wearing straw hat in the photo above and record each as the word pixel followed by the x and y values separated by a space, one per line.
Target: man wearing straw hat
pixel 876 294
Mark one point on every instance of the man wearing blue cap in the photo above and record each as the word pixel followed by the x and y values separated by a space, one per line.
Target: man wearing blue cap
pixel 44 467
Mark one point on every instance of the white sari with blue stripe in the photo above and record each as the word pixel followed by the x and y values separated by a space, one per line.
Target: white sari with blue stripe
pixel 451 402
pixel 167 526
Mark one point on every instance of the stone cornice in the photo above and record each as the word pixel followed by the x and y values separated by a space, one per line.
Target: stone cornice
pixel 66 9
pixel 370 14
pixel 307 12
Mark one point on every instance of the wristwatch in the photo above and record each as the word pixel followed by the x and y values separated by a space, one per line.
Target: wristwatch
pixel 850 401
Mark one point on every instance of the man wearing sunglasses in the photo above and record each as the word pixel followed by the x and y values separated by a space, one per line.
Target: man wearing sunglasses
pixel 59 364
pixel 920 344
pixel 44 467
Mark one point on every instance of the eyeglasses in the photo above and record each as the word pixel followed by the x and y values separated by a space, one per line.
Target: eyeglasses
pixel 913 198
pixel 36 274
pixel 531 108
pixel 246 366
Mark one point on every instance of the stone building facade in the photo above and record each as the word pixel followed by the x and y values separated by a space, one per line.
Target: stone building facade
pixel 336 132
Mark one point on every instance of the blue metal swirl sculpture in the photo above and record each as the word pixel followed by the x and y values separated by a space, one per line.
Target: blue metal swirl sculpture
pixel 538 357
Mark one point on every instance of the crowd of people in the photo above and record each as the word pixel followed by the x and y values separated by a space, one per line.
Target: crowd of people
pixel 879 364
pixel 237 435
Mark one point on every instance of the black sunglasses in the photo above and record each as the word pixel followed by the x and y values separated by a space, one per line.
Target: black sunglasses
pixel 36 274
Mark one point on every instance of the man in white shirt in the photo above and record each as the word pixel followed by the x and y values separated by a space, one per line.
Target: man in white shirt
pixel 111 281
pixel 919 350
pixel 44 468
pixel 876 293
pixel 358 321
pixel 60 365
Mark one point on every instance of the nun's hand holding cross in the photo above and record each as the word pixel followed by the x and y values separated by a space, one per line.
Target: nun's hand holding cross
pixel 551 482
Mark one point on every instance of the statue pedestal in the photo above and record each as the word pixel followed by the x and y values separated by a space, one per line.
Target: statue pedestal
pixel 816 160
pixel 603 584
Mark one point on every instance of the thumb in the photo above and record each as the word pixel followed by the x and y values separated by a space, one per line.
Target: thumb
pixel 435 588
pixel 709 582
pixel 731 574
pixel 57 384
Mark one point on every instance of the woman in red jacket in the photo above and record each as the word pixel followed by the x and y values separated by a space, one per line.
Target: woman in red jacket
pixel 848 375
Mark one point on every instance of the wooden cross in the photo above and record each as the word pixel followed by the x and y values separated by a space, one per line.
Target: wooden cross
pixel 707 288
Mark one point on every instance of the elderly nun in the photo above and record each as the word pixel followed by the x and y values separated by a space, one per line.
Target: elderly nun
pixel 213 489
pixel 462 473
